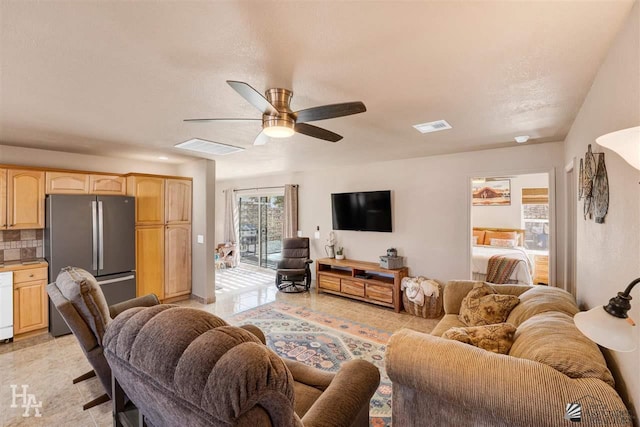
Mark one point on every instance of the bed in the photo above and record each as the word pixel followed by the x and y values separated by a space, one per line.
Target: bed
pixel 506 242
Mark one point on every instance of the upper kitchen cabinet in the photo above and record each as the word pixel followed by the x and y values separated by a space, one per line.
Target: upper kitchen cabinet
pixel 3 199
pixel 67 183
pixel 24 201
pixel 107 185
pixel 149 194
pixel 178 201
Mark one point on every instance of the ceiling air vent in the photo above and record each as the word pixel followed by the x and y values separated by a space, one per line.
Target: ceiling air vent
pixel 208 147
pixel 433 126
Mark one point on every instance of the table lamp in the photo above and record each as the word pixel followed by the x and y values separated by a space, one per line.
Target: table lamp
pixel 609 325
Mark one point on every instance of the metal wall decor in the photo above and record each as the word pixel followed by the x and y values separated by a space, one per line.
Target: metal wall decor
pixel 593 186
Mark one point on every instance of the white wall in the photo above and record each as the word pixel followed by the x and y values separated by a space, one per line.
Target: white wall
pixel 607 255
pixel 203 173
pixel 58 159
pixel 508 216
pixel 430 198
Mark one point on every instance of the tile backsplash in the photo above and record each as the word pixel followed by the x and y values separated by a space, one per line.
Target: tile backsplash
pixel 21 245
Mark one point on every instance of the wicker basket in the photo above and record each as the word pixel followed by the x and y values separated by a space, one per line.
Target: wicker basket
pixel 431 309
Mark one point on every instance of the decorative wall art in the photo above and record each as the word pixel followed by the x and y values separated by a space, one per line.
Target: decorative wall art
pixel 593 186
pixel 491 192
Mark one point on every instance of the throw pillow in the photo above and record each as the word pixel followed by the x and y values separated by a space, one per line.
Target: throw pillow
pixel 484 306
pixel 499 235
pixel 475 240
pixel 496 338
pixel 504 243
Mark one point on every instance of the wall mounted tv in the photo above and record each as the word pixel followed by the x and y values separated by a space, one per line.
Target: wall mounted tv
pixel 363 211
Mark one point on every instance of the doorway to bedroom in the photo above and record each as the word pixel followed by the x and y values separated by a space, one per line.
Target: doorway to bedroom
pixel 511 228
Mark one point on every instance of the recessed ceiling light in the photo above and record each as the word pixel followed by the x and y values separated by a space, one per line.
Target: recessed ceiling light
pixel 208 147
pixel 163 158
pixel 433 126
pixel 522 139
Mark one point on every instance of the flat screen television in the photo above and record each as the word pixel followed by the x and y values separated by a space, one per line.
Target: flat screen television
pixel 363 211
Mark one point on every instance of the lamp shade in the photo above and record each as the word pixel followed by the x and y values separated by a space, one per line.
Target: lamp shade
pixel 625 143
pixel 612 332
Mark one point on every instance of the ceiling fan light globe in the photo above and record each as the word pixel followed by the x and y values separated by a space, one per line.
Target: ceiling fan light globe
pixel 278 131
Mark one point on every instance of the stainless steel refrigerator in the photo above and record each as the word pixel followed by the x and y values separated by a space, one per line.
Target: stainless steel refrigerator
pixel 96 233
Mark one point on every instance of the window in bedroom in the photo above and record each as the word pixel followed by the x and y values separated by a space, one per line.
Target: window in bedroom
pixel 535 218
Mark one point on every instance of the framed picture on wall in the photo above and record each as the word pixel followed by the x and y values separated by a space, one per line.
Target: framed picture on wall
pixel 491 192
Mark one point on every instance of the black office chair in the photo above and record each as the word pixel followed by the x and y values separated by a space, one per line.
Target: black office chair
pixel 293 273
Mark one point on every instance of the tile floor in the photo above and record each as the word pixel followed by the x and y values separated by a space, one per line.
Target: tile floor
pixel 48 365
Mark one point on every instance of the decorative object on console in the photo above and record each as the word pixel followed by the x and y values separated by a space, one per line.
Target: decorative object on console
pixel 609 325
pixel 491 192
pixel 330 247
pixel 594 186
pixel 340 253
pixel 391 262
pixel 392 252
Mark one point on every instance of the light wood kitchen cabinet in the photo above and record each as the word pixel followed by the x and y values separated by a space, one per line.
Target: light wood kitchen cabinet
pixel 67 183
pixel 178 201
pixel 150 251
pixel 149 194
pixel 107 185
pixel 30 304
pixel 25 199
pixel 165 202
pixel 3 199
pixel 177 261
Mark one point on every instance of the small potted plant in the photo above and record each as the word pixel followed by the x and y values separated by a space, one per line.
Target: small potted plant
pixel 340 253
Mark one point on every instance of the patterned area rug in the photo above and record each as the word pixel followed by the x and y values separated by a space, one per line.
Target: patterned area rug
pixel 324 342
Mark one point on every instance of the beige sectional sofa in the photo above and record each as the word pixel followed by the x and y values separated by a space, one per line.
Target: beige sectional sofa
pixel 551 369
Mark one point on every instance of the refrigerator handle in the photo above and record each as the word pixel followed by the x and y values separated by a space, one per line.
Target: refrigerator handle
pixel 94 234
pixel 100 236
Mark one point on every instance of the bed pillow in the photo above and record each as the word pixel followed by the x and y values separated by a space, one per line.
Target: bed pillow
pixel 497 338
pixel 479 236
pixel 504 243
pixel 475 240
pixel 483 306
pixel 511 235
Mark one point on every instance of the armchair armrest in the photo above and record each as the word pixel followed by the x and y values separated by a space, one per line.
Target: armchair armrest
pixel 500 389
pixel 144 301
pixel 343 400
pixel 309 261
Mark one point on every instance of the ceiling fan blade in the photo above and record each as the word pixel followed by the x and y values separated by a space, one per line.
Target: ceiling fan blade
pixel 219 120
pixel 329 111
pixel 317 132
pixel 254 97
pixel 261 139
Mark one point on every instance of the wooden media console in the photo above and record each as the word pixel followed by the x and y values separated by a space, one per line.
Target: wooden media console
pixel 361 280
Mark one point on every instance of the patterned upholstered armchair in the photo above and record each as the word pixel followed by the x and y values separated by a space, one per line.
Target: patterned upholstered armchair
pixel 183 366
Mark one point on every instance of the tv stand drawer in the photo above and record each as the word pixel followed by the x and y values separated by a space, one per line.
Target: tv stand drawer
pixel 380 293
pixel 328 282
pixel 352 287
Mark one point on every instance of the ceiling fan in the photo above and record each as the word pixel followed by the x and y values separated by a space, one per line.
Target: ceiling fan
pixel 279 121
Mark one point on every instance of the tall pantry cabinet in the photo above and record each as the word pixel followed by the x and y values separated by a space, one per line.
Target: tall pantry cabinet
pixel 163 235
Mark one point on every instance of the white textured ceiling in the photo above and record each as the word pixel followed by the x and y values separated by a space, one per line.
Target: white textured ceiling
pixel 117 78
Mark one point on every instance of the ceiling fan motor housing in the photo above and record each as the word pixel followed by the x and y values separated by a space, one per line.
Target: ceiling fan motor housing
pixel 282 124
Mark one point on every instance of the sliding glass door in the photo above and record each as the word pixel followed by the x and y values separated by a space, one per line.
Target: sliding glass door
pixel 261 229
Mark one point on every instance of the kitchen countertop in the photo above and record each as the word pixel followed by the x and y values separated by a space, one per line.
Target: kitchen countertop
pixel 22 265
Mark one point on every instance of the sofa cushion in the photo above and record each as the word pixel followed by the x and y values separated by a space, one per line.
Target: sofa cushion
pixel 553 339
pixel 447 322
pixel 84 293
pixel 483 306
pixel 496 338
pixel 542 299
